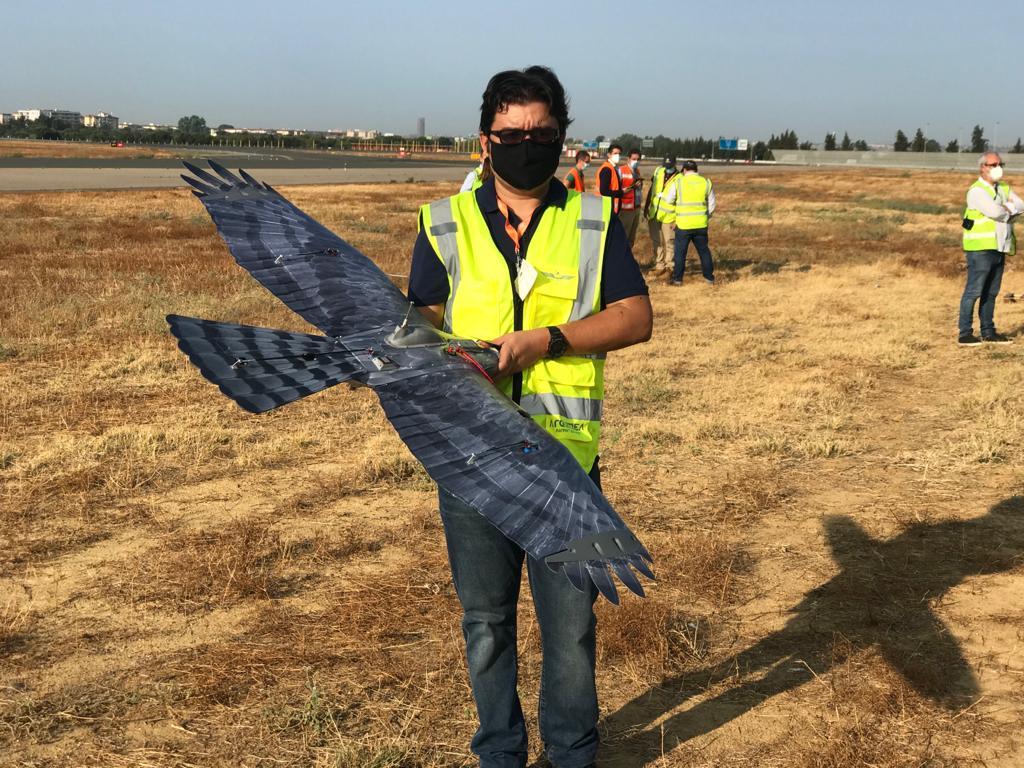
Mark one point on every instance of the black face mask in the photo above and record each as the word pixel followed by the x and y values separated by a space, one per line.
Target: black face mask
pixel 526 165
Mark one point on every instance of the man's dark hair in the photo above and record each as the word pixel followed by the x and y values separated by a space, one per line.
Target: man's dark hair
pixel 689 165
pixel 582 155
pixel 613 147
pixel 514 86
pixel 636 152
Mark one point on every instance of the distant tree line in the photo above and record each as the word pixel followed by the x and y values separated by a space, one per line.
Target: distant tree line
pixel 847 144
pixel 921 143
pixel 192 129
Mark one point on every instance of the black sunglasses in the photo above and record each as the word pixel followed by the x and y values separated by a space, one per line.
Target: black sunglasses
pixel 513 136
pixel 994 165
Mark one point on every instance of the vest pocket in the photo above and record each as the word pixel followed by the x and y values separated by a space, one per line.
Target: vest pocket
pixel 569 371
pixel 551 301
pixel 476 313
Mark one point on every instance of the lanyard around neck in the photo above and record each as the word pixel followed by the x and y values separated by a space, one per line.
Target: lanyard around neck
pixel 515 232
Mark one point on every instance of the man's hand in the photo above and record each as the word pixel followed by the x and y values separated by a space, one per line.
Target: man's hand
pixel 521 349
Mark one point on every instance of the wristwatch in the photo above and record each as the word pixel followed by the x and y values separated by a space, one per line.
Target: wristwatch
pixel 558 345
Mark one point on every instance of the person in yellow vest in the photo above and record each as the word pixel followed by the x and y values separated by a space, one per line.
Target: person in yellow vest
pixel 632 188
pixel 661 218
pixel 694 202
pixel 988 237
pixel 476 177
pixel 548 275
pixel 574 179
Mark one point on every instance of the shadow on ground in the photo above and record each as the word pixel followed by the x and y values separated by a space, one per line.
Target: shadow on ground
pixel 881 598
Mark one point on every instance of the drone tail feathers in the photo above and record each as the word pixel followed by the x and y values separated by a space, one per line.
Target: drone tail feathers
pixel 262 368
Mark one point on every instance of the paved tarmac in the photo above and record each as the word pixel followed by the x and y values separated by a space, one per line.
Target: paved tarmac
pixel 275 166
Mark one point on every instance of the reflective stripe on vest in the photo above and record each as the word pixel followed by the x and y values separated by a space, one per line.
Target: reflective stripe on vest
pixel 983 236
pixel 625 179
pixel 692 201
pixel 442 231
pixel 657 184
pixel 564 395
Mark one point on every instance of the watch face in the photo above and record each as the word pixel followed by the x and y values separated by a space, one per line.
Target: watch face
pixel 558 343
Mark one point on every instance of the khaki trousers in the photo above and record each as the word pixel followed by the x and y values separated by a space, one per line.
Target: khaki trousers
pixel 630 220
pixel 663 241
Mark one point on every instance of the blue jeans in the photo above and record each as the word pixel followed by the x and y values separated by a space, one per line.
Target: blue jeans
pixel 700 242
pixel 984 276
pixel 486 570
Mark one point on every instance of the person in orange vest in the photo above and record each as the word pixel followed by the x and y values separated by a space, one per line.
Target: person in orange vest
pixel 574 178
pixel 632 185
pixel 609 183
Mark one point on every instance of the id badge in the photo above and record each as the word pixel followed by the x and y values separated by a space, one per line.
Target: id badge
pixel 525 279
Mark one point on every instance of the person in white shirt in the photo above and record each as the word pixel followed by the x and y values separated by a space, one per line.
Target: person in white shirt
pixel 988 237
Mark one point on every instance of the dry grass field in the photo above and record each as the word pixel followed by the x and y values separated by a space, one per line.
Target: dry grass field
pixel 48 149
pixel 832 490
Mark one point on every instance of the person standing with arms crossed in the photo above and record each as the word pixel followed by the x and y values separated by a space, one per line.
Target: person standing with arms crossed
pixel 693 199
pixel 988 238
pixel 661 218
pixel 547 275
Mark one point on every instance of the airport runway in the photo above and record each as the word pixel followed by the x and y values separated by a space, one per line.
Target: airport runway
pixel 275 166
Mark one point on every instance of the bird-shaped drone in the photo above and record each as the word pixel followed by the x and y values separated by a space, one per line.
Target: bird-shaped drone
pixel 437 390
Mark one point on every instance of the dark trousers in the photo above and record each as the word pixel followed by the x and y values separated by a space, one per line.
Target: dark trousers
pixel 486 570
pixel 700 242
pixel 984 276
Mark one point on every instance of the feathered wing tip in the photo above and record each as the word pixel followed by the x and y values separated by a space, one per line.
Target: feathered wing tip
pixel 261 368
pixel 206 183
pixel 592 556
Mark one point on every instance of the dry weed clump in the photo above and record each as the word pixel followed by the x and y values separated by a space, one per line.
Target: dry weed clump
pixel 202 570
pixel 15 623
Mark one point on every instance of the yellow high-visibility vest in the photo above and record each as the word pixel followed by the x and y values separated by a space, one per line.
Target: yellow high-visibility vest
pixel 982 235
pixel 565 395
pixel 691 206
pixel 657 208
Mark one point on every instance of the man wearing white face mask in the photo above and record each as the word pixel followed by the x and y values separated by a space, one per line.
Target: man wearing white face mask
pixel 988 237
pixel 609 183
pixel 632 184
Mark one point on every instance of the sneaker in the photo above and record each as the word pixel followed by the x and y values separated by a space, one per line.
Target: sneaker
pixel 675 282
pixel 968 340
pixel 996 338
pixel 709 282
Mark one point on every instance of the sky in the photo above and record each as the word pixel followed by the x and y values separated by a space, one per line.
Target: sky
pixel 740 69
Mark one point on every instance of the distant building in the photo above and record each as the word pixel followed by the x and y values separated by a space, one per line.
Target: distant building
pixel 61 115
pixel 6 117
pixel 100 120
pixel 421 126
pixel 356 133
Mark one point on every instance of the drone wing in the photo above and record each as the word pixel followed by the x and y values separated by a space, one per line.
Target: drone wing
pixel 479 447
pixel 317 274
